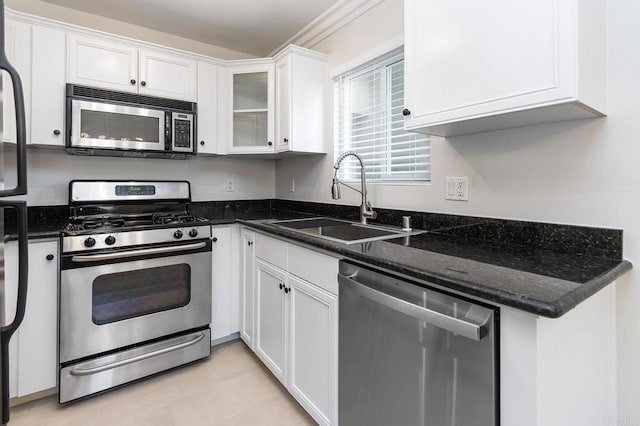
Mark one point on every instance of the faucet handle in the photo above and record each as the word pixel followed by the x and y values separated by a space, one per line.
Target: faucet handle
pixel 371 214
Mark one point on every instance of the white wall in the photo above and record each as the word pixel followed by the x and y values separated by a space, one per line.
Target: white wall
pixel 50 171
pixel 582 172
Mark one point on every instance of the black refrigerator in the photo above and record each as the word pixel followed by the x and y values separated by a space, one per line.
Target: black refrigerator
pixel 10 81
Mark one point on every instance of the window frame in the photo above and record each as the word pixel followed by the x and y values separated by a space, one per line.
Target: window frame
pixel 343 125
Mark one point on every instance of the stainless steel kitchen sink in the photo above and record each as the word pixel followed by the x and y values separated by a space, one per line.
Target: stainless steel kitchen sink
pixel 343 231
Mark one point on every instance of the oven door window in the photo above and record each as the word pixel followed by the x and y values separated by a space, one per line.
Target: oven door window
pixel 130 294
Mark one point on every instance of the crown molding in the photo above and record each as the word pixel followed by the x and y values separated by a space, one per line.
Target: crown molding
pixel 333 19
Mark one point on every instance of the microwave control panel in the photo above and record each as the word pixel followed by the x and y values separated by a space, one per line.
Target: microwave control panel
pixel 182 132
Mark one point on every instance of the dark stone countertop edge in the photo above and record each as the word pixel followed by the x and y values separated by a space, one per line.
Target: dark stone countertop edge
pixel 556 309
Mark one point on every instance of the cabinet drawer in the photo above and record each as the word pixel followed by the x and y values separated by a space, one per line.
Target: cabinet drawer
pixel 317 268
pixel 271 250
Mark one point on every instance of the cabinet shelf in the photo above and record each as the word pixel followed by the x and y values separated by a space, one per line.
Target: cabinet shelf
pixel 250 110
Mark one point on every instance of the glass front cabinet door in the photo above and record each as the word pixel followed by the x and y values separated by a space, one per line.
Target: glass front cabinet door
pixel 251 122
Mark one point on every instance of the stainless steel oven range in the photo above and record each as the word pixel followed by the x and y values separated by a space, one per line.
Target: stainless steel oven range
pixel 135 287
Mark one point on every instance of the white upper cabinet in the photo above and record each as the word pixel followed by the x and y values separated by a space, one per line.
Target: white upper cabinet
pixel 301 82
pixel 480 66
pixel 248 112
pixel 17 35
pixel 167 75
pixel 48 81
pixel 114 65
pixel 207 108
pixel 103 63
pixel 38 53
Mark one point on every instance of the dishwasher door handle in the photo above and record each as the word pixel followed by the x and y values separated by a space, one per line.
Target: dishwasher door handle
pixel 454 325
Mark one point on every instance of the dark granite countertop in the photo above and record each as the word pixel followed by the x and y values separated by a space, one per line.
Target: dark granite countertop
pixel 43 222
pixel 544 269
pixel 539 281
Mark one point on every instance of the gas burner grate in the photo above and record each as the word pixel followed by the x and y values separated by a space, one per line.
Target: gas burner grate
pixel 163 219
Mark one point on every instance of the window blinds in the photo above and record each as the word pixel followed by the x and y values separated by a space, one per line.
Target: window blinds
pixel 368 104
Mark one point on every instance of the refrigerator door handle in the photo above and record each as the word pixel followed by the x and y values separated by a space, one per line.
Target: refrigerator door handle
pixel 7 331
pixel 21 132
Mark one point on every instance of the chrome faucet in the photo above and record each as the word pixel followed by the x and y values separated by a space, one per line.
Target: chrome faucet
pixel 366 212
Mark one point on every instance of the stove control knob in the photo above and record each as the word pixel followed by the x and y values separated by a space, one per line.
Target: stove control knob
pixel 177 234
pixel 110 240
pixel 89 242
pixel 193 233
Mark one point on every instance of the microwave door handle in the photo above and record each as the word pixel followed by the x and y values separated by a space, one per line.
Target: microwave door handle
pixel 7 331
pixel 21 133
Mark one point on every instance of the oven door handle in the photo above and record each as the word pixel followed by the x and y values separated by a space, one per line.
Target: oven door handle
pixel 110 366
pixel 141 252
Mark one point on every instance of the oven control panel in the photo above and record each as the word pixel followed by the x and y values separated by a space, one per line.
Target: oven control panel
pixel 125 239
pixel 126 190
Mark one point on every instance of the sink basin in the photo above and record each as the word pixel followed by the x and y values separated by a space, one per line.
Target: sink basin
pixel 343 231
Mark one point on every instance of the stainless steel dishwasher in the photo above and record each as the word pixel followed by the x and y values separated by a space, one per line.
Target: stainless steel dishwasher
pixel 413 355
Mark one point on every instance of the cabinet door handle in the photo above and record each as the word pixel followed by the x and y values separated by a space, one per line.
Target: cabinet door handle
pixel 281 286
pixel 214 239
pixel 143 83
pixel 287 289
pixel 286 140
pixel 201 142
pixel 133 81
pixel 249 243
pixel 49 257
pixel 406 112
pixel 56 132
pixel 269 143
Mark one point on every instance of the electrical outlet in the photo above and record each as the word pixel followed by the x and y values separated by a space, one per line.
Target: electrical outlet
pixel 230 185
pixel 292 185
pixel 457 188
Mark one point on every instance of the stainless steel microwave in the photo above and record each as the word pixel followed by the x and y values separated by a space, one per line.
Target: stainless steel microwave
pixel 105 122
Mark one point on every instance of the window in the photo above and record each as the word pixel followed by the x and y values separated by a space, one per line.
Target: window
pixel 368 104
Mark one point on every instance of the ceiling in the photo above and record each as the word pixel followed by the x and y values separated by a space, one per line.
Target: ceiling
pixel 256 27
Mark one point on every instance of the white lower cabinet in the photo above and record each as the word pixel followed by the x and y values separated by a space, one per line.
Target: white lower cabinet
pixel 313 349
pixel 272 318
pixel 224 284
pixel 33 349
pixel 247 261
pixel 296 332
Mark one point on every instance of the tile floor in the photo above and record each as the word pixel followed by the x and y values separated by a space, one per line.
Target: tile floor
pixel 232 387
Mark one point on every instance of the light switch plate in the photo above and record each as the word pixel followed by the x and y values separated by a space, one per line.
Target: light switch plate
pixel 457 188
